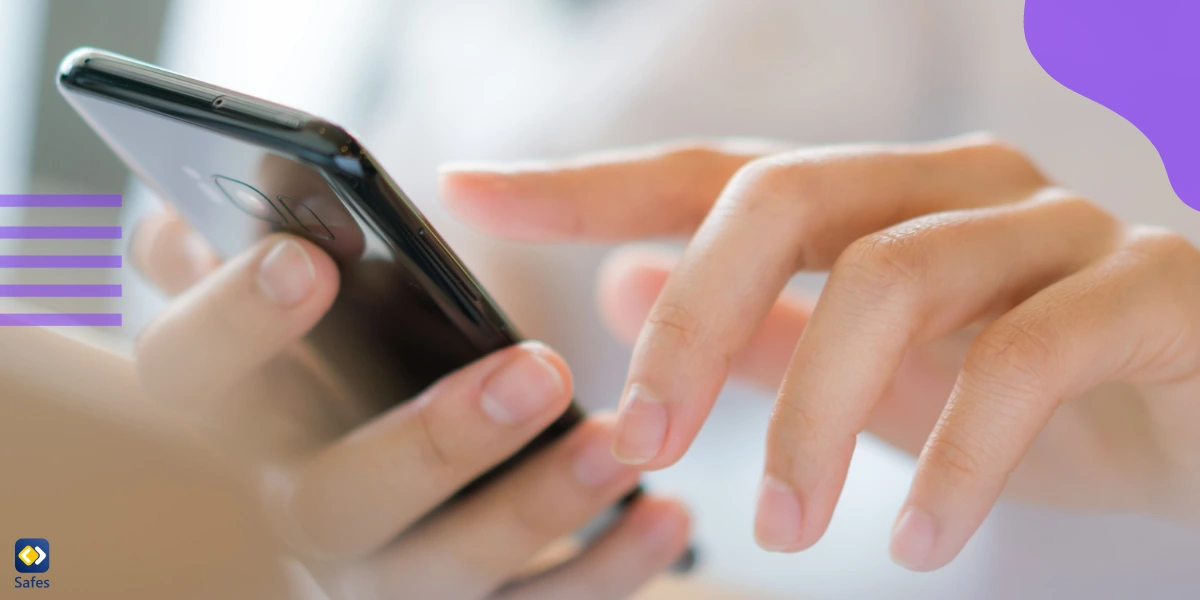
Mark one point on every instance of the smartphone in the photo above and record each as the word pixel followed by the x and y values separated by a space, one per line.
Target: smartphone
pixel 238 168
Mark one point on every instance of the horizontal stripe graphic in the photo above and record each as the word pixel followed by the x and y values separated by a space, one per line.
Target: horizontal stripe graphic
pixel 60 320
pixel 60 262
pixel 38 232
pixel 60 200
pixel 57 290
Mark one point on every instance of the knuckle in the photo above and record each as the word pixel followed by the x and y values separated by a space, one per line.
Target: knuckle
pixel 1079 208
pixel 763 174
pixel 1103 228
pixel 789 189
pixel 1161 244
pixel 957 466
pixel 990 147
pixel 1014 355
pixel 991 154
pixel 776 183
pixel 676 321
pixel 696 152
pixel 991 144
pixel 798 424
pixel 1067 200
pixel 885 268
pixel 434 456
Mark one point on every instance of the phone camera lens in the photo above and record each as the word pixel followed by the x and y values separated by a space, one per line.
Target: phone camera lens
pixel 306 218
pixel 249 200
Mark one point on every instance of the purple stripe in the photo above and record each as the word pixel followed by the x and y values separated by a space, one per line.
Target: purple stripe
pixel 33 232
pixel 60 320
pixel 60 200
pixel 54 290
pixel 60 262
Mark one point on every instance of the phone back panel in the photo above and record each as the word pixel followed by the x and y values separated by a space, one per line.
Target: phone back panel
pixel 238 168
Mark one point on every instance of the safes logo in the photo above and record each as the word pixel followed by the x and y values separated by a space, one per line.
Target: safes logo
pixel 32 555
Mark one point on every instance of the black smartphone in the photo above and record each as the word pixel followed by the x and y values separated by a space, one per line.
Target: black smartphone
pixel 239 168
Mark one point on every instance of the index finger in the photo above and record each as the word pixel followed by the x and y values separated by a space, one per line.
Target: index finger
pixel 619 195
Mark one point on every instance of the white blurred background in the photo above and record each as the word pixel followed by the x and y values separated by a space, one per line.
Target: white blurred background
pixel 426 81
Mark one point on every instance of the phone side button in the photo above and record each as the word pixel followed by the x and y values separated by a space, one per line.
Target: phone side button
pixel 448 267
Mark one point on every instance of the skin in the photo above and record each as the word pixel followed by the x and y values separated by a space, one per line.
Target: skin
pixel 1011 334
pixel 355 502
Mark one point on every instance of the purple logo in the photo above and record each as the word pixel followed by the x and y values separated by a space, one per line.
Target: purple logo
pixel 1139 58
pixel 47 208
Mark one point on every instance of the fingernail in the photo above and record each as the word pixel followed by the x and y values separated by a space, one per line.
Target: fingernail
pixel 641 427
pixel 521 388
pixel 913 539
pixel 777 524
pixel 286 274
pixel 595 465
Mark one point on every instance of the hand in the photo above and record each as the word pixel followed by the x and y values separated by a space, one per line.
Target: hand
pixel 356 502
pixel 1012 333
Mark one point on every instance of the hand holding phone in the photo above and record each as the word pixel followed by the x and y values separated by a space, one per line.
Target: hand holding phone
pixel 238 169
pixel 345 350
pixel 360 509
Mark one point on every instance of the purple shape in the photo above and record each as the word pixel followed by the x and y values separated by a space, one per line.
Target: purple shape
pixel 60 262
pixel 60 320
pixel 1136 57
pixel 56 290
pixel 34 232
pixel 60 200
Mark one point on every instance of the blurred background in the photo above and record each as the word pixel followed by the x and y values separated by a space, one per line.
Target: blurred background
pixel 425 82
